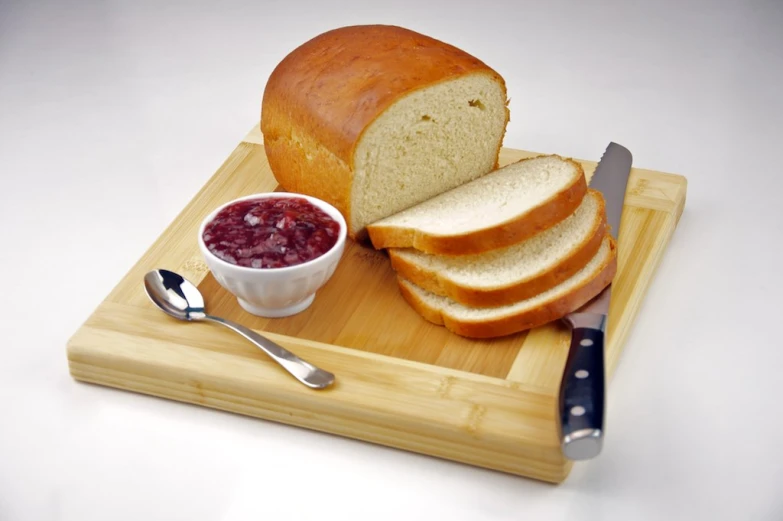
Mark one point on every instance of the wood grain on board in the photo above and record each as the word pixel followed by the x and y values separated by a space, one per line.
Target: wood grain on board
pixel 401 381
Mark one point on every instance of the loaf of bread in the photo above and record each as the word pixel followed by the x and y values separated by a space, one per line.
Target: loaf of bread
pixel 374 119
pixel 547 306
pixel 518 272
pixel 402 132
pixel 499 209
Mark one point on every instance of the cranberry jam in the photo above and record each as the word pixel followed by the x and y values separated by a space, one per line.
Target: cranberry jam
pixel 270 232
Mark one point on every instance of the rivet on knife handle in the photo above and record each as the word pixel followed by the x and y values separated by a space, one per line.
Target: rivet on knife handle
pixel 582 392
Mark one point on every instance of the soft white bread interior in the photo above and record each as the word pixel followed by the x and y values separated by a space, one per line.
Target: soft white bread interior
pixel 506 275
pixel 553 304
pixel 427 143
pixel 499 209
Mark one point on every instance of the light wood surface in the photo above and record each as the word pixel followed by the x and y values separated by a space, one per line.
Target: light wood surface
pixel 401 381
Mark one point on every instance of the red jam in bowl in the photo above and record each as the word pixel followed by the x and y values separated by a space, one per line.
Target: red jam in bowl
pixel 270 232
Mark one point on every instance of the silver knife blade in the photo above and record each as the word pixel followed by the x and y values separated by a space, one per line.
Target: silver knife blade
pixel 611 179
pixel 582 389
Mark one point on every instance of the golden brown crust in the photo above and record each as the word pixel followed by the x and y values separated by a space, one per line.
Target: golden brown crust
pixel 303 166
pixel 339 82
pixel 330 89
pixel 435 282
pixel 510 324
pixel 524 226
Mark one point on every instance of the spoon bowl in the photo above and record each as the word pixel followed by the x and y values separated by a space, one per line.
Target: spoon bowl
pixel 173 294
pixel 181 299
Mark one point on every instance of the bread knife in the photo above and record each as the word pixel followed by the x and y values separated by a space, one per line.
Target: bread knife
pixel 582 389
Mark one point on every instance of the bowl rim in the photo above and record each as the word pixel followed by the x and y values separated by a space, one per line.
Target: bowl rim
pixel 332 211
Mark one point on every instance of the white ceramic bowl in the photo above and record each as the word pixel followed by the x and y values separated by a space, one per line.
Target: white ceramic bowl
pixel 276 292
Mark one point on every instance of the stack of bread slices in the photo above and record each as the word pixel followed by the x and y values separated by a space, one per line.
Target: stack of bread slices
pixel 519 247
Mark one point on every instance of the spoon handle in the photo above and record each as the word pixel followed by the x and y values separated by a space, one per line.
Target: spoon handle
pixel 303 371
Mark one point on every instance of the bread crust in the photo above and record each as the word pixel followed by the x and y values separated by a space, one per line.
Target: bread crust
pixel 501 295
pixel 327 91
pixel 517 322
pixel 304 166
pixel 522 227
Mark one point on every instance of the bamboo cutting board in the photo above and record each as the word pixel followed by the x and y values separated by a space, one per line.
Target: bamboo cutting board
pixel 401 381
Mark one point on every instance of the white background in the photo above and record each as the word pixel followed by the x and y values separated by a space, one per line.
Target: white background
pixel 113 115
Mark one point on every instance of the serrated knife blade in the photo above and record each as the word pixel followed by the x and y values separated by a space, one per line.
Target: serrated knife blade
pixel 583 389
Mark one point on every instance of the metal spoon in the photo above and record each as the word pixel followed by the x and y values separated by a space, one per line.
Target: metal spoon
pixel 182 300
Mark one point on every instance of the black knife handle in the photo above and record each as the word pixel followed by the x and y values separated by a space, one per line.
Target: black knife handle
pixel 582 394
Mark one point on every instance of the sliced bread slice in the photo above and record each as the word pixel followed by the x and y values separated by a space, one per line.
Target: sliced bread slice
pixel 502 208
pixel 507 275
pixel 545 307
